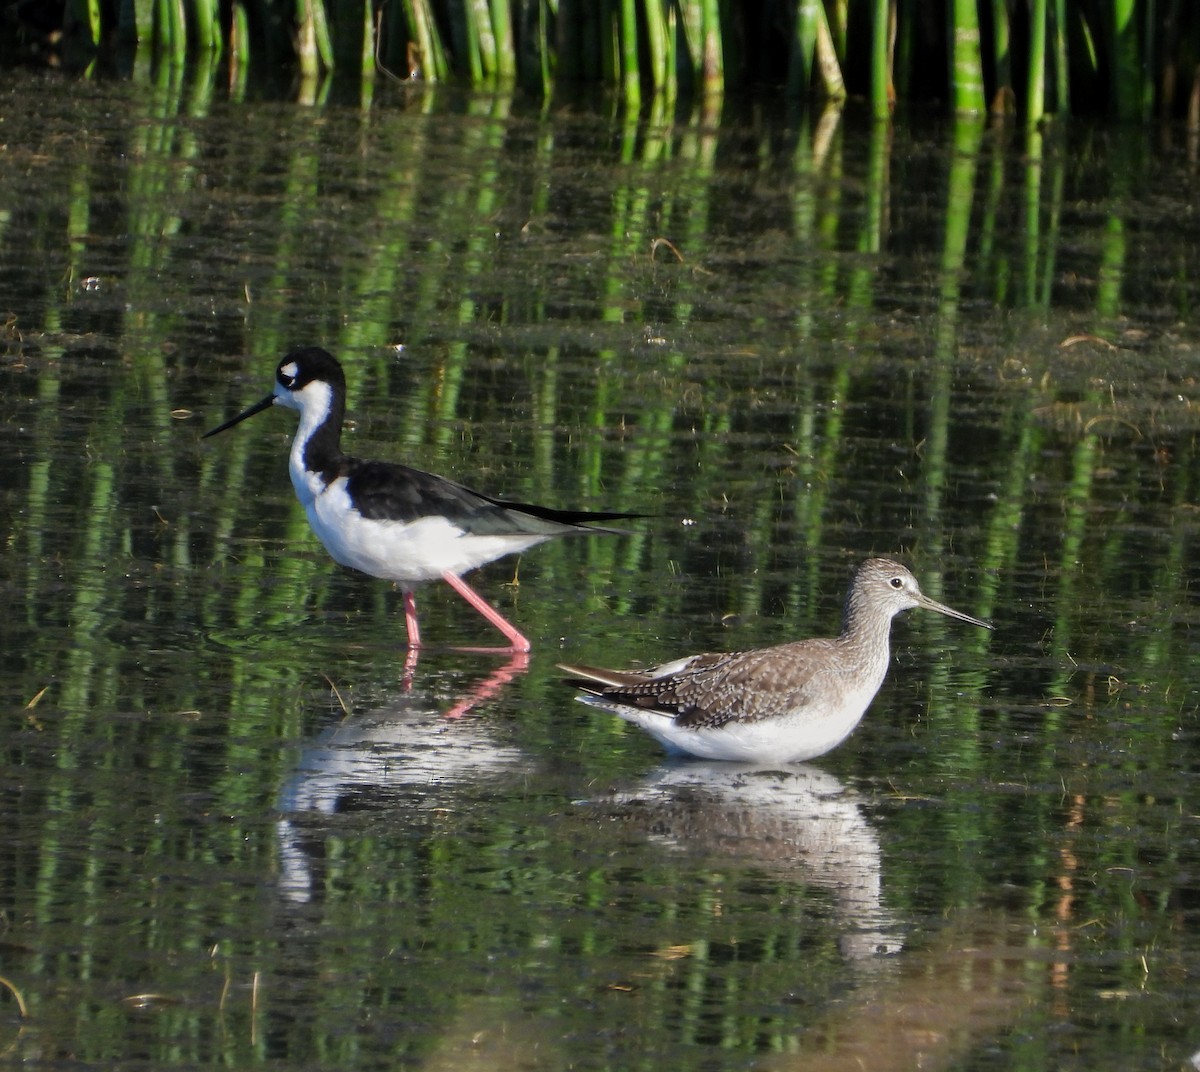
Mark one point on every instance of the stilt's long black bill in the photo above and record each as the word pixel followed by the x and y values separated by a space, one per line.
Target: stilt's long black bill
pixel 258 407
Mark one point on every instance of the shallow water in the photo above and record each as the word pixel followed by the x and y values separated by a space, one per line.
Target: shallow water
pixel 239 831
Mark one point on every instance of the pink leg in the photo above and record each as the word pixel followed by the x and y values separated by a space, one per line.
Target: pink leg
pixel 410 621
pixel 411 658
pixel 492 684
pixel 518 642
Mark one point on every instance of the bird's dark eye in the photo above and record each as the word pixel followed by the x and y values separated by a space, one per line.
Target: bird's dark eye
pixel 896 582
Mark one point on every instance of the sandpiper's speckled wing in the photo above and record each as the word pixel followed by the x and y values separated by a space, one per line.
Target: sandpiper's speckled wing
pixel 708 691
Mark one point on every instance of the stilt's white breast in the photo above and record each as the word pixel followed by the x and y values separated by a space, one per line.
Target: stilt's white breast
pixel 407 552
pixel 314 401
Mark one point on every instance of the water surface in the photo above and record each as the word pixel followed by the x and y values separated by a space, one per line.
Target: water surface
pixel 238 830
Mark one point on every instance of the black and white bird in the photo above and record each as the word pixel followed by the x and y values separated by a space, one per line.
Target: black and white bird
pixel 393 522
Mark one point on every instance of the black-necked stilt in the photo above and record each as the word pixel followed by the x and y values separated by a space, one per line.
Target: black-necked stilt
pixel 390 521
pixel 784 704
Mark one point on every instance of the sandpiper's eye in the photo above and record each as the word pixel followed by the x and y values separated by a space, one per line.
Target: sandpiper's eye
pixel 897 583
pixel 287 375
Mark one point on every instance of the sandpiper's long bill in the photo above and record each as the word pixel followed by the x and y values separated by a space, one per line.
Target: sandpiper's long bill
pixel 783 704
pixel 393 522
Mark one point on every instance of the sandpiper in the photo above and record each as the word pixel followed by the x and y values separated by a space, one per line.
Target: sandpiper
pixel 783 704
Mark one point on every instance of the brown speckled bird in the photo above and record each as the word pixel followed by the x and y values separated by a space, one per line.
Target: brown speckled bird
pixel 785 704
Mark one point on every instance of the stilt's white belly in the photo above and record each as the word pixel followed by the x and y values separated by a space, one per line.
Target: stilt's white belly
pixel 407 552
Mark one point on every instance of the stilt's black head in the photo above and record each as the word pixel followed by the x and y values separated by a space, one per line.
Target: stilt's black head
pixel 303 366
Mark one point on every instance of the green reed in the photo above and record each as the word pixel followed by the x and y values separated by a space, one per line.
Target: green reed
pixel 1116 56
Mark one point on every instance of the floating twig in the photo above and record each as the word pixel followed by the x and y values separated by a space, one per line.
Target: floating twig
pixel 21 1006
pixel 655 243
pixel 341 703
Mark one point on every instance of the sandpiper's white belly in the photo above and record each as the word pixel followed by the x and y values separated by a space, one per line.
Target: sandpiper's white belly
pixel 786 739
pixel 407 552
pixel 793 737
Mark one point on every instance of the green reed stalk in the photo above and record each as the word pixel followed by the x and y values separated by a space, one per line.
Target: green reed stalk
pixel 545 64
pixel 631 84
pixel 1062 67
pixel 1125 69
pixel 828 63
pixel 173 29
pixel 691 38
pixel 481 42
pixel 712 55
pixel 656 42
pixel 239 50
pixel 323 38
pixel 208 25
pixel 671 60
pixel 604 62
pixel 478 66
pixel 966 60
pixel 502 35
pixel 1151 59
pixel 369 43
pixel 84 18
pixel 1035 105
pixel 803 48
pixel 1033 217
pixel 839 19
pixel 306 38
pixel 1002 55
pixel 881 66
pixel 160 22
pixel 202 85
pixel 812 48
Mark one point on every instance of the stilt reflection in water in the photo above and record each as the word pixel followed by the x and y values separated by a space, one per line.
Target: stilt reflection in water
pixel 402 752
